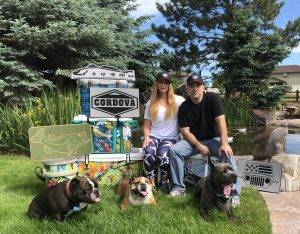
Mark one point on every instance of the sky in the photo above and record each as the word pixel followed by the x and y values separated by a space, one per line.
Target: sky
pixel 289 12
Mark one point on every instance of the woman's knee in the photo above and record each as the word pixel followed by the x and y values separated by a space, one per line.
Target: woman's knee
pixel 149 150
pixel 163 152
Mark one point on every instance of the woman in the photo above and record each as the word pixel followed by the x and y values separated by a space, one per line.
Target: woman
pixel 160 127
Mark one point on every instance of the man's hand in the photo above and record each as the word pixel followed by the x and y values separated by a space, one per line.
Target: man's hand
pixel 203 149
pixel 146 141
pixel 226 150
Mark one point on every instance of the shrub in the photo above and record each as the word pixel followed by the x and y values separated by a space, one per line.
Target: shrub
pixel 52 108
pixel 237 110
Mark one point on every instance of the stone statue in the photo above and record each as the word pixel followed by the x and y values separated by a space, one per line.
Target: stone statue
pixel 269 143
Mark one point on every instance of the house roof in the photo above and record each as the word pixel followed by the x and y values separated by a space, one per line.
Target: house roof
pixel 287 69
pixel 275 79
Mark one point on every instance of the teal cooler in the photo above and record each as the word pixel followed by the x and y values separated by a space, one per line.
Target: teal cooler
pixel 109 135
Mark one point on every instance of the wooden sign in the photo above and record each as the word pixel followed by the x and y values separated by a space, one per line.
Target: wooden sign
pixel 60 141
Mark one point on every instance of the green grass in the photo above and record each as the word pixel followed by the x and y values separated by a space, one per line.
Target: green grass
pixel 18 185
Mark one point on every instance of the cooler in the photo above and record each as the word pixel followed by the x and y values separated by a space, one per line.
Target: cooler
pixel 110 169
pixel 109 135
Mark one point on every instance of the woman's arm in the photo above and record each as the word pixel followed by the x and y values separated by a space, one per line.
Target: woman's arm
pixel 146 130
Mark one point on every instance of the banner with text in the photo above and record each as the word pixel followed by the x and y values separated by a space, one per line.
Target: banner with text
pixel 118 102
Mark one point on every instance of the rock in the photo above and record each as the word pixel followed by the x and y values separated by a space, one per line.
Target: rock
pixel 263 117
pixel 293 109
pixel 269 143
pixel 290 180
pixel 288 123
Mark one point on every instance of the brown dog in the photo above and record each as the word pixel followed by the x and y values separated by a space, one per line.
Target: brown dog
pixel 136 191
pixel 58 201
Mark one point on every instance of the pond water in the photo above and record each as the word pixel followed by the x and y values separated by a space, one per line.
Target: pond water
pixel 293 144
pixel 242 142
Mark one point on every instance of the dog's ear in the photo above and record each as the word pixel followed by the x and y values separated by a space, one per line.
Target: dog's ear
pixel 131 180
pixel 75 182
pixel 96 184
pixel 212 162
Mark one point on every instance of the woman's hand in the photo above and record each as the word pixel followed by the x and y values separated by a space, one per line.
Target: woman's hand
pixel 146 131
pixel 146 141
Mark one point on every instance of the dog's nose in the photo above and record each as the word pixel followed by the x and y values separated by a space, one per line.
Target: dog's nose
pixel 97 192
pixel 143 186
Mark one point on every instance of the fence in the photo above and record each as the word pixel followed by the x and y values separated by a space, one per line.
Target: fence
pixel 292 96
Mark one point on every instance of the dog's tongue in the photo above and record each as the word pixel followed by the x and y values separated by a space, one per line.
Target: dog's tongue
pixel 227 190
pixel 144 193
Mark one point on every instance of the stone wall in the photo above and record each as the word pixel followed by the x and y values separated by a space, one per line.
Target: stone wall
pixel 290 180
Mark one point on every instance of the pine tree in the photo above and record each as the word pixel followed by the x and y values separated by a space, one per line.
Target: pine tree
pixel 41 42
pixel 248 56
pixel 195 29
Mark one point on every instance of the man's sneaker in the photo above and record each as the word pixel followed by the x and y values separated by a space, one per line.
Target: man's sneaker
pixel 235 201
pixel 177 192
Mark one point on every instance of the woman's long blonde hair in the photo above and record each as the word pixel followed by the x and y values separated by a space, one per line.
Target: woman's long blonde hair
pixel 171 109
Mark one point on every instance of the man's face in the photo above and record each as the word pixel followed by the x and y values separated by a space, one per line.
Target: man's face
pixel 195 90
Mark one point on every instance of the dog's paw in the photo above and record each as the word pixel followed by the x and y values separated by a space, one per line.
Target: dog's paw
pixel 231 217
pixel 204 214
pixel 207 218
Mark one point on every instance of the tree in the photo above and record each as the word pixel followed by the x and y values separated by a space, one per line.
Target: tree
pixel 44 41
pixel 16 79
pixel 247 58
pixel 247 54
pixel 195 29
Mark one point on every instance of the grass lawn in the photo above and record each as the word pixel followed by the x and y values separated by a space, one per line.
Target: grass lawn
pixel 18 185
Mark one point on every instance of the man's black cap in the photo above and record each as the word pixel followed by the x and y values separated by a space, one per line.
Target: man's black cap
pixel 194 78
pixel 163 76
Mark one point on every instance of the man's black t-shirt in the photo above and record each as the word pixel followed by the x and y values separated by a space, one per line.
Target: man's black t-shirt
pixel 200 118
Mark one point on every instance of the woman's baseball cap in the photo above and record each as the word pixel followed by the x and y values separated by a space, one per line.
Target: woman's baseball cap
pixel 163 76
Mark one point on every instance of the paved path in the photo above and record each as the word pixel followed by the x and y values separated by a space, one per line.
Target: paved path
pixel 284 211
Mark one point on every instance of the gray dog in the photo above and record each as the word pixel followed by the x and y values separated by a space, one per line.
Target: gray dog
pixel 214 190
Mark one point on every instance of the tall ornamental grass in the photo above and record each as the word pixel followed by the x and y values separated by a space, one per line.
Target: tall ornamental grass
pixel 52 108
pixel 237 111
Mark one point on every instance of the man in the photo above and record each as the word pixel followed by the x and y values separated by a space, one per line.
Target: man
pixel 201 120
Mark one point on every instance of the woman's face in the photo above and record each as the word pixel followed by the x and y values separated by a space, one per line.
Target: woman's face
pixel 163 86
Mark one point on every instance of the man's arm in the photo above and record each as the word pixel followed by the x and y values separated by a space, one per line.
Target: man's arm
pixel 190 137
pixel 225 147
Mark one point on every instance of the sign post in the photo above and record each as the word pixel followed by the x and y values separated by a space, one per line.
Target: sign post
pixel 107 92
